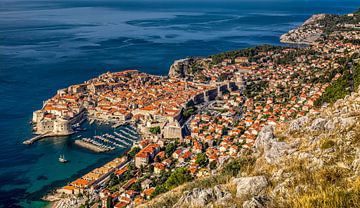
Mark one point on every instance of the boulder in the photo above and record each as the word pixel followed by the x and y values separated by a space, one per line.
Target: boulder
pixel 265 138
pixel 273 150
pixel 355 166
pixel 347 122
pixel 277 151
pixel 331 124
pixel 256 202
pixel 318 124
pixel 298 123
pixel 200 197
pixel 246 186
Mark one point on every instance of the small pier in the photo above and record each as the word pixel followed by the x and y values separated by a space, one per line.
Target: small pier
pixel 88 145
pixel 35 138
pixel 116 125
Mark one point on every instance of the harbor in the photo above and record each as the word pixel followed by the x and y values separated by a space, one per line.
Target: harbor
pixel 121 135
pixel 119 139
pixel 76 127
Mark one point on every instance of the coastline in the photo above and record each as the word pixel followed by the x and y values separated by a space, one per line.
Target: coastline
pixel 54 196
pixel 33 79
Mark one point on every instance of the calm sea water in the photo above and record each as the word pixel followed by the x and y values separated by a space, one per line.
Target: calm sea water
pixel 46 45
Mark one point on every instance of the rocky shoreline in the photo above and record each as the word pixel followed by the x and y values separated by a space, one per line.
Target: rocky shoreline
pixel 307 34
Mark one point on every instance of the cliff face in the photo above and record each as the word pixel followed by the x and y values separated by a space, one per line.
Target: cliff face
pixel 187 67
pixel 312 161
pixel 179 67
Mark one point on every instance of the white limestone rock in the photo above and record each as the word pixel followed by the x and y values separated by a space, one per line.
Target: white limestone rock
pixel 250 186
pixel 265 138
pixel 200 197
pixel 256 202
pixel 318 124
pixel 277 152
pixel 298 124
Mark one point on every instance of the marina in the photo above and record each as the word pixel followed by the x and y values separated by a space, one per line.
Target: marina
pixel 123 137
pixel 117 139
pixel 108 142
pixel 127 134
pixel 132 130
pixel 116 125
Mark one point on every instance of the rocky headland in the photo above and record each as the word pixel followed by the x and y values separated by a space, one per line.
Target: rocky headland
pixel 307 33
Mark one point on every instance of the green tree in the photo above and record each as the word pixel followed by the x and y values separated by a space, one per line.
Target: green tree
pixel 109 202
pixel 213 165
pixel 113 180
pixel 224 131
pixel 169 149
pixel 201 159
pixel 134 151
pixel 337 90
pixel 189 111
pixel 136 186
pixel 357 76
pixel 155 130
pixel 158 190
pixel 178 177
pixel 150 168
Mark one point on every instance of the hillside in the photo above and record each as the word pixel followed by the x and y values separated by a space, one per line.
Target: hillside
pixel 312 161
pixel 319 28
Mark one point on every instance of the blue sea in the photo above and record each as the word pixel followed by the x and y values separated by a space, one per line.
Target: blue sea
pixel 50 44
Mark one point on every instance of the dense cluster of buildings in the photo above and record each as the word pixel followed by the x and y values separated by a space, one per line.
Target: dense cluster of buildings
pixel 275 86
pixel 116 97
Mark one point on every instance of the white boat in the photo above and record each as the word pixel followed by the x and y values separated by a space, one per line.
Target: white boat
pixel 62 159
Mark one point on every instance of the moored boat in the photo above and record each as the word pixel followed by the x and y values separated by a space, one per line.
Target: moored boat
pixel 62 159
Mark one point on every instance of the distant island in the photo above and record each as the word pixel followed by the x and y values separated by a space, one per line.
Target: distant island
pixel 205 119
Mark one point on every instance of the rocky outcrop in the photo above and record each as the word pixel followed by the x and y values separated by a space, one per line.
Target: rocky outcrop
pixel 297 124
pixel 250 186
pixel 219 195
pixel 188 67
pixel 202 197
pixel 179 68
pixel 277 152
pixel 318 124
pixel 355 165
pixel 272 149
pixel 256 202
pixel 264 138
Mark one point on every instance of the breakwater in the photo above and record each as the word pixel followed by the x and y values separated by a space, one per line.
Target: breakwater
pixel 90 146
pixel 36 138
